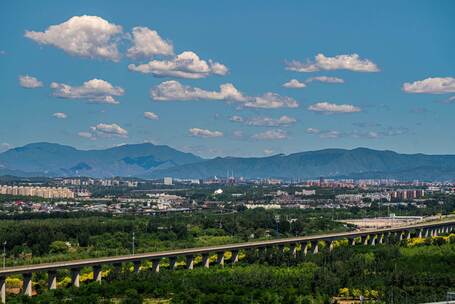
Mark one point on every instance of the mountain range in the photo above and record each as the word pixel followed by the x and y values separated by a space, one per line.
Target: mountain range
pixel 156 161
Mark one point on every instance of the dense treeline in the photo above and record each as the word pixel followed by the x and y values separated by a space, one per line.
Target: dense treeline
pixel 99 235
pixel 383 274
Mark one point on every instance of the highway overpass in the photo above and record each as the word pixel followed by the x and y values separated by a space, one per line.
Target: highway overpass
pixel 305 243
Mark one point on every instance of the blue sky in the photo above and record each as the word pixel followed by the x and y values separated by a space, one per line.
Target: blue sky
pixel 384 76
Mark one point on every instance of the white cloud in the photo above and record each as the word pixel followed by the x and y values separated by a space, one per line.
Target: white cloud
pixel 59 115
pixel 204 133
pixel 175 91
pixel 294 84
pixel 271 135
pixel 29 82
pixel 264 121
pixel 268 151
pixel 109 130
pixel 147 43
pixel 351 62
pixel 324 134
pixel 95 90
pixel 271 101
pixel 86 135
pixel 326 107
pixel 435 85
pixel 325 79
pixel 85 36
pixel 312 131
pixel 151 116
pixel 370 134
pixel 5 146
pixel 185 65
pixel 330 134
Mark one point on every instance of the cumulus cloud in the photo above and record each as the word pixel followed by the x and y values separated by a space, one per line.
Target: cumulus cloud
pixel 435 85
pixel 271 101
pixel 275 134
pixel 204 133
pixel 59 115
pixel 85 36
pixel 147 43
pixel 264 121
pixel 185 65
pixel 109 130
pixel 325 107
pixel 95 91
pixel 294 84
pixel 175 91
pixel 87 135
pixel 29 82
pixel 351 62
pixel 369 134
pixel 151 116
pixel 325 79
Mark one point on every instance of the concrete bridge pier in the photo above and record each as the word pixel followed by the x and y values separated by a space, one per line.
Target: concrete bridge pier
pixel 427 233
pixel 401 235
pixel 330 243
pixel 206 260
pixel 351 241
pixel 420 233
pixel 156 265
pixel 365 239
pixel 315 247
pixel 2 289
pixel 220 258
pixel 136 266
pixel 381 238
pixel 293 249
pixel 408 235
pixel 75 277
pixel 234 256
pixel 27 284
pixel 172 263
pixel 97 272
pixel 52 279
pixel 304 248
pixel 372 239
pixel 189 262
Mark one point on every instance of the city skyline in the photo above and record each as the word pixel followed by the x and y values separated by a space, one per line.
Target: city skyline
pixel 237 79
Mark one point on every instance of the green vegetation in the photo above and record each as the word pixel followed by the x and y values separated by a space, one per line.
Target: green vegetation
pixel 416 273
pixel 52 239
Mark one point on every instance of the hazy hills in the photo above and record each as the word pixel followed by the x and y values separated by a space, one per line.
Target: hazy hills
pixel 155 161
pixel 48 159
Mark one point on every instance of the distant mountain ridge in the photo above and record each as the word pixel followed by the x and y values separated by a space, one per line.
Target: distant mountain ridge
pixel 335 163
pixel 49 159
pixel 156 161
